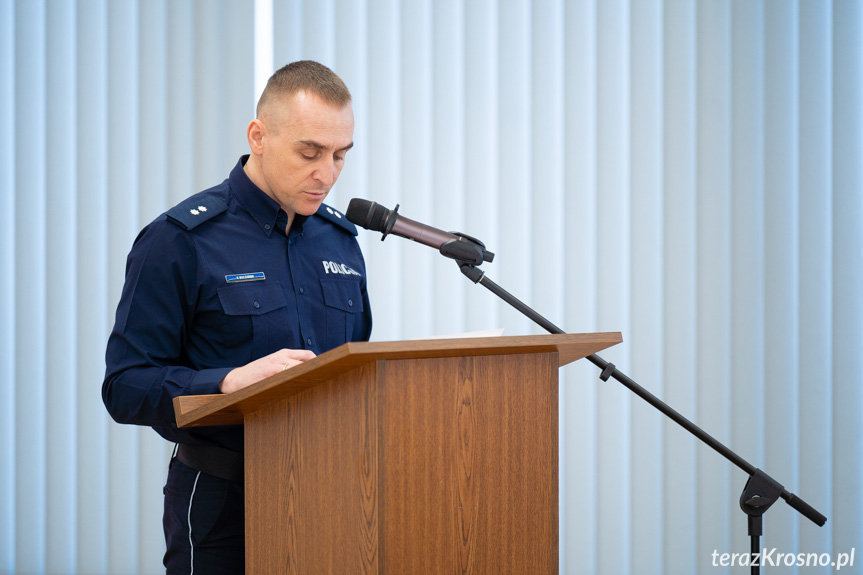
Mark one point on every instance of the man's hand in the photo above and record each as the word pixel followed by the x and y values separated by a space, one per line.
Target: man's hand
pixel 262 368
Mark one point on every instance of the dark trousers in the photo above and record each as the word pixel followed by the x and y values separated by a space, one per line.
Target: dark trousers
pixel 204 523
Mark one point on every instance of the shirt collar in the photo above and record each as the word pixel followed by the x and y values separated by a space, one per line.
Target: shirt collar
pixel 264 209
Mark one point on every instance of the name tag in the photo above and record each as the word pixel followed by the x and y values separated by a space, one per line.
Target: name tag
pixel 250 277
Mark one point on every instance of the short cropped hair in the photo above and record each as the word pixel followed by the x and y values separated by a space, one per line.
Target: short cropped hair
pixel 305 75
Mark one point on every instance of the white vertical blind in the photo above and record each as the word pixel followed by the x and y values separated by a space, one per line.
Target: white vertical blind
pixel 816 266
pixel 8 456
pixel 416 175
pixel 99 475
pixel 847 261
pixel 462 125
pixel 29 239
pixel 782 276
pixel 61 308
pixel 689 173
pixel 578 446
pixel 386 151
pixel 613 217
pixel 747 241
pixel 713 269
pixel 514 145
pixel 645 286
pixel 546 189
pixel 679 275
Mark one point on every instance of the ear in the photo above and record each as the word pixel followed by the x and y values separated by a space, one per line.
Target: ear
pixel 255 135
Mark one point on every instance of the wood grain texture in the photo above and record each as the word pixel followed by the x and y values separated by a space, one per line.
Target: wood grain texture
pixel 311 481
pixel 193 411
pixel 471 466
pixel 439 465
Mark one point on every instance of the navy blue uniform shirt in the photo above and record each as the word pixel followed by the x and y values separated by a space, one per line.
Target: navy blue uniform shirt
pixel 213 284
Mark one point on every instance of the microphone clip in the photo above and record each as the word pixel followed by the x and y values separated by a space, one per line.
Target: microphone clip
pixel 466 250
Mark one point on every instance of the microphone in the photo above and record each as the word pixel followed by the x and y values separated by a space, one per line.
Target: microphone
pixel 458 246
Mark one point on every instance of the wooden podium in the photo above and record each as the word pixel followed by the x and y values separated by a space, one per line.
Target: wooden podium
pixel 414 457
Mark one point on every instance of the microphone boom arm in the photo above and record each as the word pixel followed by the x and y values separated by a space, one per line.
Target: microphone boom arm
pixel 608 370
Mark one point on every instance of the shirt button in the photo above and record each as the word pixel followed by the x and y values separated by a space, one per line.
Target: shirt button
pixel 301 290
pixel 309 342
pixel 350 302
pixel 257 305
pixel 266 226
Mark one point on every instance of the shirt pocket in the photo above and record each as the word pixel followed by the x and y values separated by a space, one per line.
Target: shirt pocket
pixel 343 299
pixel 252 312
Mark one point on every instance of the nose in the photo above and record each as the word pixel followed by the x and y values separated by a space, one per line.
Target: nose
pixel 326 172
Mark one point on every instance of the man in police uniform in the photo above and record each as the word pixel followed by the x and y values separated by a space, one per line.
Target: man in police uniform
pixel 233 285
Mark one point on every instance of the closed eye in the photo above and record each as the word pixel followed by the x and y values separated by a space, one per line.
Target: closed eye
pixel 312 151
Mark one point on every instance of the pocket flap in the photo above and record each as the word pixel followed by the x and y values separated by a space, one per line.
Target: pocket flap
pixel 343 294
pixel 252 298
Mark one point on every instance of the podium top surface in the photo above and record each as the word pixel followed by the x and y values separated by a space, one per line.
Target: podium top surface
pixel 202 410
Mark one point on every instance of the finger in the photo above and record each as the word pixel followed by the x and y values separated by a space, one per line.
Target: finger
pixel 289 364
pixel 298 354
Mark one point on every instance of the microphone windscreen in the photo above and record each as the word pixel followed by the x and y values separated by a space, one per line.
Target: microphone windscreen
pixel 367 214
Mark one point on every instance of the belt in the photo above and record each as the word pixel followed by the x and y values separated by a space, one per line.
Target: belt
pixel 212 460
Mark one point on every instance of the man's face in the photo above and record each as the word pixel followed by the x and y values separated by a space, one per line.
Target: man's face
pixel 303 145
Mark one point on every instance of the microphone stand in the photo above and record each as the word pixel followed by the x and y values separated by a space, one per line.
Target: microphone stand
pixel 760 492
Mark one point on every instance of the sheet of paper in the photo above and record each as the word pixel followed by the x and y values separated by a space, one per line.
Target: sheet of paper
pixel 484 333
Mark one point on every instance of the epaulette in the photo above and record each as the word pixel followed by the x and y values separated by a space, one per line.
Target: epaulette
pixel 194 211
pixel 336 217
